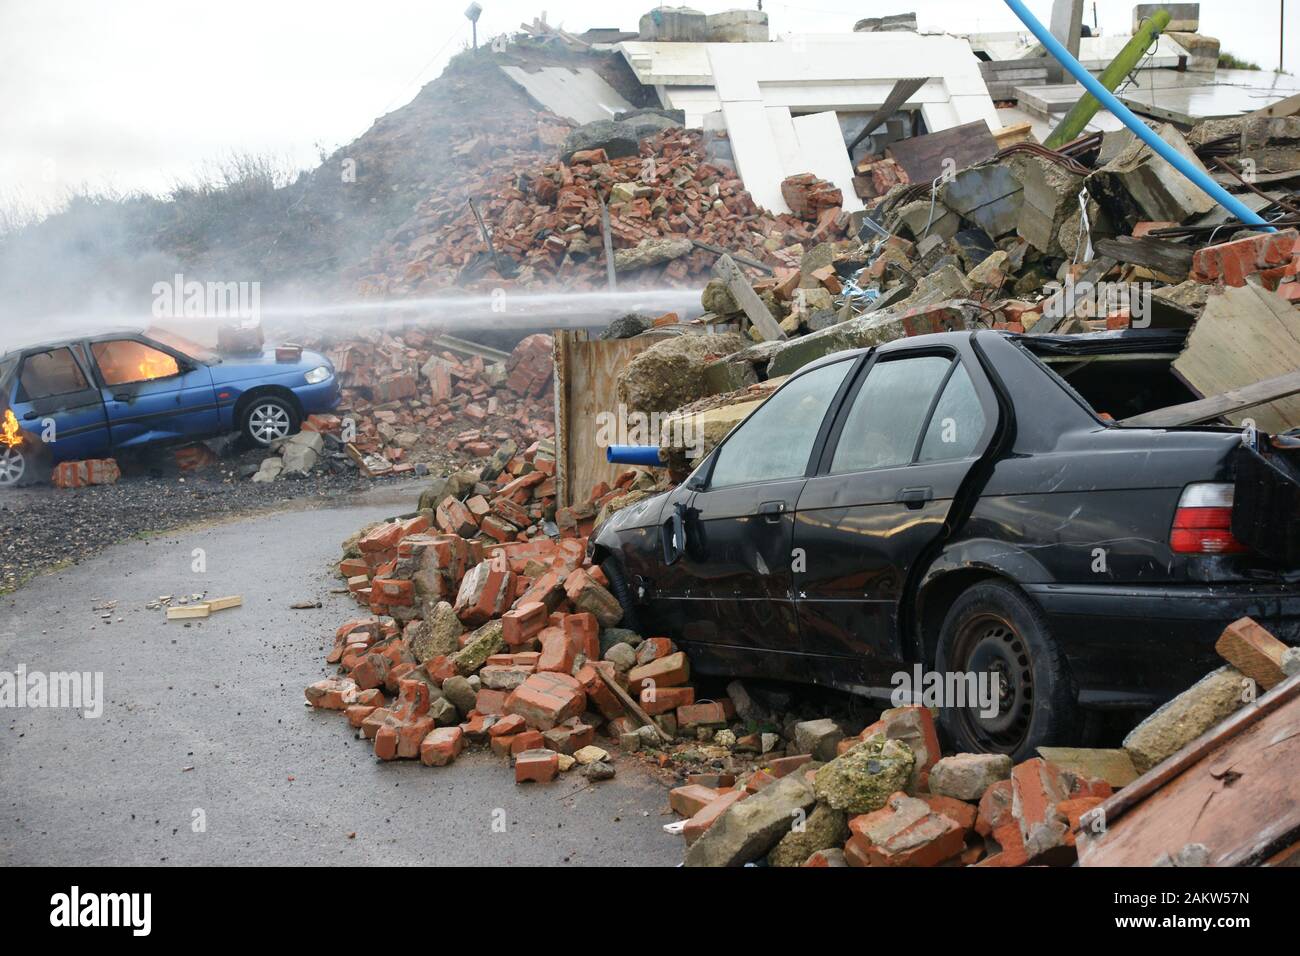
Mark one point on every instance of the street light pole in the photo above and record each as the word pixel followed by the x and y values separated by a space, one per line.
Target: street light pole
pixel 472 13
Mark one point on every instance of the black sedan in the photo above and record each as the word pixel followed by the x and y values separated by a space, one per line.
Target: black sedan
pixel 945 513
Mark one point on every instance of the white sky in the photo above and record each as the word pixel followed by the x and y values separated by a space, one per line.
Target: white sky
pixel 137 94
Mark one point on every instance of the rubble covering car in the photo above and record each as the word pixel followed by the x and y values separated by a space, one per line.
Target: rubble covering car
pixel 948 500
pixel 88 396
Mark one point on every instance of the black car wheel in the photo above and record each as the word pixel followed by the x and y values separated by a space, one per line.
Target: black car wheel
pixel 13 466
pixel 993 629
pixel 269 418
pixel 619 587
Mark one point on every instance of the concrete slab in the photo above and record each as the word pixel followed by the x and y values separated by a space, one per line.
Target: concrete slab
pixel 580 95
pixel 1187 98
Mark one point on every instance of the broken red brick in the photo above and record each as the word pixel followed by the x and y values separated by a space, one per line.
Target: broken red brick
pixel 540 766
pixel 441 746
pixel 547 699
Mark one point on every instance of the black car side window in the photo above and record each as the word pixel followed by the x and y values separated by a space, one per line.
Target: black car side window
pixel 890 409
pixel 777 439
pixel 957 423
pixel 46 374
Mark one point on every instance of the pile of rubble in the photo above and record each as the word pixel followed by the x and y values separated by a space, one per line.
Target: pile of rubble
pixel 488 630
pixel 1106 237
pixel 663 198
pixel 411 405
pixel 488 626
pixel 999 243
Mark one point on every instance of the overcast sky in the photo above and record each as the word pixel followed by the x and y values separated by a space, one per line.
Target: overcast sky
pixel 138 94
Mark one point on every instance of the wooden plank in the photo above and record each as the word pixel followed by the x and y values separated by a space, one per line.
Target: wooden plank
pixel 561 349
pixel 186 612
pixel 1232 789
pixel 900 94
pixel 1062 304
pixel 1287 107
pixel 738 257
pixel 586 386
pixel 1013 134
pixel 632 707
pixel 1170 258
pixel 1216 406
pixel 222 603
pixel 1245 335
pixel 748 299
pixel 607 240
pixel 923 156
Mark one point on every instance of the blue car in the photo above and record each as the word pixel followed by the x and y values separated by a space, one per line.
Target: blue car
pixel 93 396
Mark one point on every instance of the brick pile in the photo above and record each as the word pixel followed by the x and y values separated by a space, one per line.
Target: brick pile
pixel 412 402
pixel 482 630
pixel 545 220
pixel 889 798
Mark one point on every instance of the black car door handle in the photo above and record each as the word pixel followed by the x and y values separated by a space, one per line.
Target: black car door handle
pixel 914 498
pixel 772 510
pixel 30 415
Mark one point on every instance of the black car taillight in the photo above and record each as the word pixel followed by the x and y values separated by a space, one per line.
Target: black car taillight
pixel 1203 521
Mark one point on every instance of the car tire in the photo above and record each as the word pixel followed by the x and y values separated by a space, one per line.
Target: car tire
pixel 15 466
pixel 618 587
pixel 993 627
pixel 269 418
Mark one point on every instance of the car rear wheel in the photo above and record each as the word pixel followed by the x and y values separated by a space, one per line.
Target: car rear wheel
pixel 13 466
pixel 993 629
pixel 269 418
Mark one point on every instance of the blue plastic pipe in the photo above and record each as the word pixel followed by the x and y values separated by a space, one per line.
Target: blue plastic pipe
pixel 1144 132
pixel 634 455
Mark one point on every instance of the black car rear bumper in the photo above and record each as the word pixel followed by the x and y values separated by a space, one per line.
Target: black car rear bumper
pixel 1134 646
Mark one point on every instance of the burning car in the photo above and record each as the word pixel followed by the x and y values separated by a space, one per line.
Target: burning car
pixel 949 501
pixel 91 396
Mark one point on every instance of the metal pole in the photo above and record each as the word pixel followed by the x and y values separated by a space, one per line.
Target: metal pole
pixel 1072 124
pixel 1198 177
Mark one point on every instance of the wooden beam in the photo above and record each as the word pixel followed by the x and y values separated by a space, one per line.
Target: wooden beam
pixel 1063 306
pixel 748 299
pixel 1208 409
pixel 1170 258
pixel 1166 778
pixel 632 707
pixel 1287 107
pixel 608 241
pixel 742 259
pixel 900 94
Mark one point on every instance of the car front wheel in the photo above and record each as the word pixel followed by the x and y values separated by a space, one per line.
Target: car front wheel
pixel 268 419
pixel 1026 698
pixel 13 466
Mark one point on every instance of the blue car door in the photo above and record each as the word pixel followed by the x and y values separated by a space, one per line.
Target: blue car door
pixel 152 394
pixel 56 403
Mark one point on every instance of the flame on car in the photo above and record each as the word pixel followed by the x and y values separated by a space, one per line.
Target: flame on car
pixel 10 434
pixel 156 365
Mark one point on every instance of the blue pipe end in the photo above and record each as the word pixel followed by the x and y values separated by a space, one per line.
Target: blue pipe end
pixel 647 455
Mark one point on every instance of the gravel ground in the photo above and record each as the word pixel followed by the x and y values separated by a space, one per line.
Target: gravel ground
pixel 42 526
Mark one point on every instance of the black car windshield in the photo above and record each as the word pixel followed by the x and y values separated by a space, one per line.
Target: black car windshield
pixel 181 344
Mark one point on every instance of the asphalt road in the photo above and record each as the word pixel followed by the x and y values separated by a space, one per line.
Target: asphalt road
pixel 207 724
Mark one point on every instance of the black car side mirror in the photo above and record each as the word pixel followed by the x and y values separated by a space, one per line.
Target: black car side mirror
pixel 673 534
